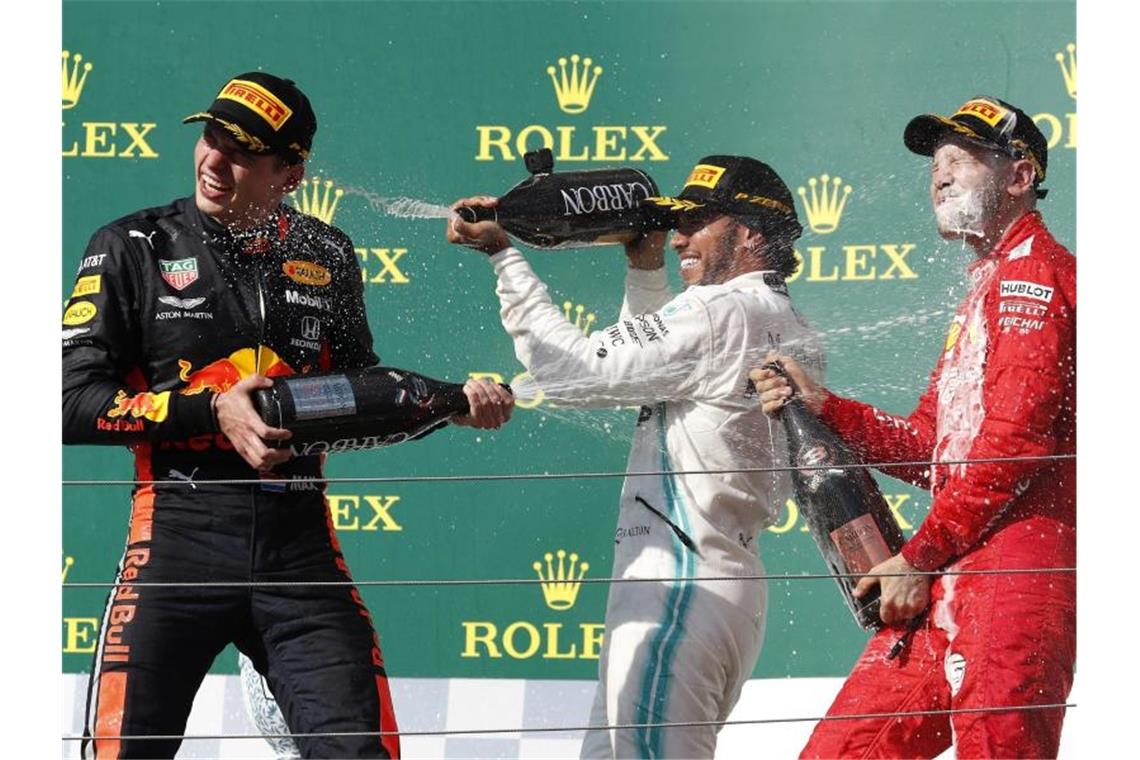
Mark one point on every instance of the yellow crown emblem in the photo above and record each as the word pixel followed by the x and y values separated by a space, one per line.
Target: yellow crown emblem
pixel 824 203
pixel 1069 68
pixel 73 80
pixel 580 318
pixel 575 89
pixel 316 203
pixel 560 586
pixel 67 563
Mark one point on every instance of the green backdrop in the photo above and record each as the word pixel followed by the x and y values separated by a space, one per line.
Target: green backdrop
pixel 417 100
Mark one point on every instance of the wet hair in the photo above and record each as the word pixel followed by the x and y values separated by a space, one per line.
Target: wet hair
pixel 780 237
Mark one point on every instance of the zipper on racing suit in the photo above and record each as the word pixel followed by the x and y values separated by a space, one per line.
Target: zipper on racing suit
pixel 681 535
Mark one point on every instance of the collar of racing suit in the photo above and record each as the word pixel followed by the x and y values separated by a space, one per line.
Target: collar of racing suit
pixel 254 240
pixel 1028 225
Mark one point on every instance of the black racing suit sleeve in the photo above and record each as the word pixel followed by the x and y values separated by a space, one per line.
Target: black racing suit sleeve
pixel 351 342
pixel 352 338
pixel 105 398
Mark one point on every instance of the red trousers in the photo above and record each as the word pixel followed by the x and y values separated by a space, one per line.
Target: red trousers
pixel 989 641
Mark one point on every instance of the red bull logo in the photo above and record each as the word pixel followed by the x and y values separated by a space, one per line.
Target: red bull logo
pixel 151 406
pixel 222 374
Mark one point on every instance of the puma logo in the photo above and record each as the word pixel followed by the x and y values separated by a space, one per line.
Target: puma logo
pixel 147 238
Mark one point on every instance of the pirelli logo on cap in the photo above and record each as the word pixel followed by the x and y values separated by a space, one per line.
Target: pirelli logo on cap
pixel 986 110
pixel 705 175
pixel 1026 289
pixel 257 99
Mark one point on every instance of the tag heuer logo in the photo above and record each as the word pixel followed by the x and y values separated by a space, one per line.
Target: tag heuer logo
pixel 179 273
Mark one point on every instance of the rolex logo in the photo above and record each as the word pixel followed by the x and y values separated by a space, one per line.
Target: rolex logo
pixel 317 202
pixel 577 315
pixel 560 585
pixel 67 563
pixel 73 78
pixel 823 202
pixel 574 89
pixel 1068 66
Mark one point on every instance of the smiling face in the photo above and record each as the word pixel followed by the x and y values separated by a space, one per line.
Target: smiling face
pixel 707 242
pixel 236 187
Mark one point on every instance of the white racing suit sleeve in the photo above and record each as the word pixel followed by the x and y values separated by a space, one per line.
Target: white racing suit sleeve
pixel 644 357
pixel 646 290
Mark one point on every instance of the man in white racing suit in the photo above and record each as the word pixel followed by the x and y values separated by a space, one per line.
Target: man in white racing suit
pixel 678 650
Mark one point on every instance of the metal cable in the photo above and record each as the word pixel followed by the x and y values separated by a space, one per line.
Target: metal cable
pixel 564 729
pixel 534 581
pixel 565 475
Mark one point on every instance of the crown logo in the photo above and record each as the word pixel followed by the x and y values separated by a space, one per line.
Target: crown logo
pixel 560 586
pixel 67 563
pixel 316 203
pixel 73 80
pixel 580 319
pixel 1069 68
pixel 574 90
pixel 825 205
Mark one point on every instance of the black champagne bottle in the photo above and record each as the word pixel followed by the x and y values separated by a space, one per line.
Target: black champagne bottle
pixel 358 409
pixel 846 513
pixel 570 209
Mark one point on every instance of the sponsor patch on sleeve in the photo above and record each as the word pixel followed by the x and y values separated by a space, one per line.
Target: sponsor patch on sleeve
pixel 87 286
pixel 79 313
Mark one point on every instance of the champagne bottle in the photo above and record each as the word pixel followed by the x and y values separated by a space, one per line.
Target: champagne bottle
pixel 359 409
pixel 570 209
pixel 846 513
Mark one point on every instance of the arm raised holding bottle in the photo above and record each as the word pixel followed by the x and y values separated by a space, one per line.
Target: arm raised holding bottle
pixel 695 499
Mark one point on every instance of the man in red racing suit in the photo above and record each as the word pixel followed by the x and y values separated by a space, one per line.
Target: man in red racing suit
pixel 1001 631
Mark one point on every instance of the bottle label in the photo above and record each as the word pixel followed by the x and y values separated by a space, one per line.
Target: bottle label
pixel 813 455
pixel 589 199
pixel 860 544
pixel 319 397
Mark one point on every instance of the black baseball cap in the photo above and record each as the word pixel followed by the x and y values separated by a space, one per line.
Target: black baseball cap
pixel 989 122
pixel 265 114
pixel 738 186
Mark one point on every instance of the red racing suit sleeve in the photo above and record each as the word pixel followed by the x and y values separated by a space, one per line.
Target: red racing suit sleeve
pixel 105 398
pixel 1030 362
pixel 877 436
